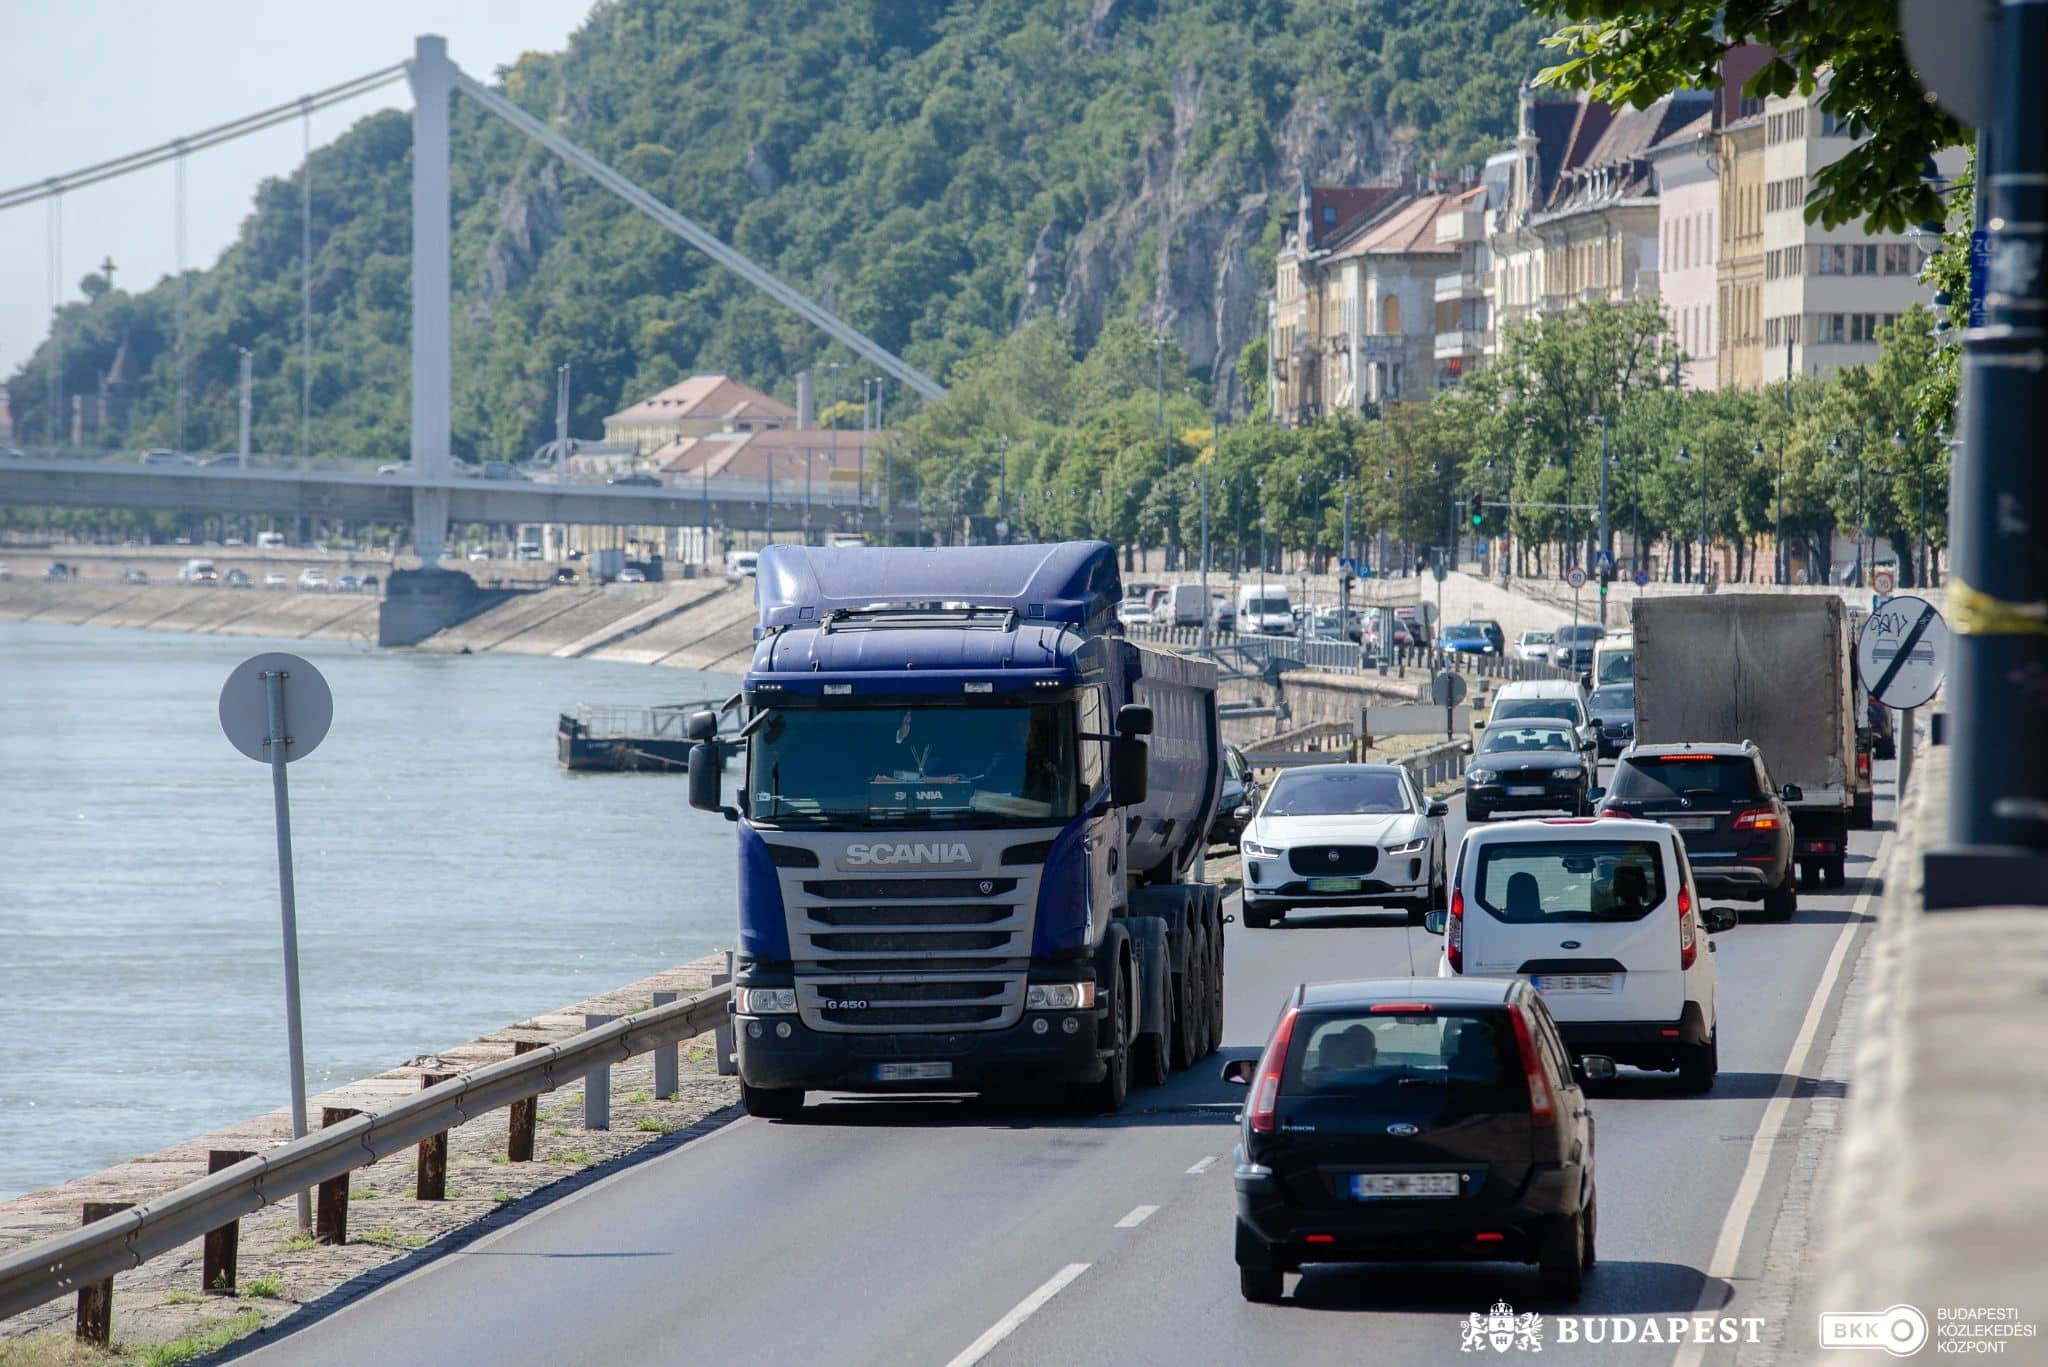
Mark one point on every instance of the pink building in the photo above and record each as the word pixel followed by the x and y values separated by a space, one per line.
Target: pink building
pixel 1688 206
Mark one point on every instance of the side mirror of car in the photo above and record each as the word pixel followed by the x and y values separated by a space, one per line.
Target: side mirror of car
pixel 1719 919
pixel 1596 1067
pixel 1240 1071
pixel 1597 724
pixel 1438 807
pixel 1433 921
pixel 1791 792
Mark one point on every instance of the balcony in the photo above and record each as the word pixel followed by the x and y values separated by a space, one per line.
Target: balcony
pixel 1462 344
pixel 1467 226
pixel 1381 345
pixel 1458 285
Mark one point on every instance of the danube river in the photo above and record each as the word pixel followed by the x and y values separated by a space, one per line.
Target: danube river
pixel 451 878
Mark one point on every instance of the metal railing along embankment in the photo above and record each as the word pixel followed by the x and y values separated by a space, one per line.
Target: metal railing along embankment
pixel 79 1259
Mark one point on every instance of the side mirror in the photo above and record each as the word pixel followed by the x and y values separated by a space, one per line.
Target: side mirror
pixel 1240 1071
pixel 707 770
pixel 1719 919
pixel 1792 792
pixel 1433 921
pixel 1129 769
pixel 701 725
pixel 1595 794
pixel 1134 719
pixel 1596 1067
pixel 1439 807
pixel 1597 724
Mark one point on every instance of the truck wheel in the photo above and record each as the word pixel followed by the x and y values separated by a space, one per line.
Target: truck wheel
pixel 1181 1035
pixel 1107 1094
pixel 1150 1060
pixel 1837 872
pixel 1216 978
pixel 1199 1033
pixel 772 1103
pixel 1782 901
pixel 1261 1285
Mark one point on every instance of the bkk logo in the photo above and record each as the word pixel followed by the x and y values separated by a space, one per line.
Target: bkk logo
pixel 922 852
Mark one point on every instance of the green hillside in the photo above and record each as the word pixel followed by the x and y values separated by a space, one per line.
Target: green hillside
pixel 938 172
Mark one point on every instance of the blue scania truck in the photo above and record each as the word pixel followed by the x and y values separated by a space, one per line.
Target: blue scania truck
pixel 967 820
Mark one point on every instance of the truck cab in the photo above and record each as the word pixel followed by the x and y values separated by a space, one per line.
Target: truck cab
pixel 959 851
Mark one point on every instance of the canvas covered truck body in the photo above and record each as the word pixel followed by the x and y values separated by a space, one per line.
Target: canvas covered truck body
pixel 1769 668
pixel 949 878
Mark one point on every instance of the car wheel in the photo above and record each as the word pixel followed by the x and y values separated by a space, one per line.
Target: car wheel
pixel 1255 918
pixel 1561 1263
pixel 1698 1065
pixel 1260 1285
pixel 772 1103
pixel 1592 1230
pixel 1781 902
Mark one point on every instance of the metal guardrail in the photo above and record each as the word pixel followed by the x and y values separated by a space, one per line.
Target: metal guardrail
pixel 1259 655
pixel 75 1259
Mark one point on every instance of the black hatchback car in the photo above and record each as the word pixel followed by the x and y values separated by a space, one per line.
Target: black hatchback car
pixel 1415 1118
pixel 1533 765
pixel 1735 826
pixel 1614 707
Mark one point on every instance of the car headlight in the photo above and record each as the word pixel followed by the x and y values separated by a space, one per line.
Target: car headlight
pixel 1566 771
pixel 1255 849
pixel 1409 846
pixel 1481 775
pixel 1059 996
pixel 764 1001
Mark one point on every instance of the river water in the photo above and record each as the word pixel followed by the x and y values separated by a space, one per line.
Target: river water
pixel 451 878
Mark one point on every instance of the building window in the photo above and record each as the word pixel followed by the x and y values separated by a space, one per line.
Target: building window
pixel 1900 258
pixel 1830 258
pixel 1329 215
pixel 1863 259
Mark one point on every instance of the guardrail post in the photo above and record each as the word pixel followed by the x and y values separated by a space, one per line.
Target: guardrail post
pixel 430 1180
pixel 330 1204
pixel 96 1301
pixel 722 1042
pixel 667 1069
pixel 217 1254
pixel 521 1115
pixel 597 1086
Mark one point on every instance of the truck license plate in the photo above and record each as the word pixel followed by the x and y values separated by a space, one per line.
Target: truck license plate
pixel 913 1072
pixel 1378 1186
pixel 1333 885
pixel 1573 982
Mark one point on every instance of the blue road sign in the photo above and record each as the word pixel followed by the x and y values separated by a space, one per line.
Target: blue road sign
pixel 1980 270
pixel 1642 578
pixel 1604 562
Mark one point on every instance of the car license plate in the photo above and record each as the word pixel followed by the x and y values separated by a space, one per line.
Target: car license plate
pixel 1535 791
pixel 1333 885
pixel 1690 823
pixel 913 1072
pixel 1573 982
pixel 1379 1186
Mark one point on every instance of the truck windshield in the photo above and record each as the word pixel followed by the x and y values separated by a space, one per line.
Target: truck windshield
pixel 966 766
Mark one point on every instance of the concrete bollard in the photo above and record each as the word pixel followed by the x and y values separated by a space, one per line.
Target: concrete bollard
pixel 330 1203
pixel 430 1178
pixel 667 1070
pixel 597 1086
pixel 218 1253
pixel 96 1301
pixel 723 1045
pixel 520 1115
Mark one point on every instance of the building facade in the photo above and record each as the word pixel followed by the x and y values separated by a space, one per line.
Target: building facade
pixel 696 407
pixel 1739 271
pixel 1688 246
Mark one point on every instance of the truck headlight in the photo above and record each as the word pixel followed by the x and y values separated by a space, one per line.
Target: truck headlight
pixel 1409 846
pixel 1254 848
pixel 764 1001
pixel 1059 996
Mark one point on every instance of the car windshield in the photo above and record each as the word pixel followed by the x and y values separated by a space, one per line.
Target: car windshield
pixel 1468 1054
pixel 1464 633
pixel 1540 882
pixel 1516 709
pixel 1614 698
pixel 1663 778
pixel 1274 605
pixel 1500 738
pixel 1535 638
pixel 1336 792
pixel 967 766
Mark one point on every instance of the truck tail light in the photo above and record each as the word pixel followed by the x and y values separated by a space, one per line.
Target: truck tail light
pixel 1542 1112
pixel 1756 819
pixel 1454 932
pixel 1688 931
pixel 1266 1088
pixel 1863 764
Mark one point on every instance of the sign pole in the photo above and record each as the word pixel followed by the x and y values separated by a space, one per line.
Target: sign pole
pixel 278 743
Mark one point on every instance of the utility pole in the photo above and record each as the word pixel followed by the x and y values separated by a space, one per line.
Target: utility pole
pixel 1003 494
pixel 1208 609
pixel 246 409
pixel 1606 527
pixel 1159 342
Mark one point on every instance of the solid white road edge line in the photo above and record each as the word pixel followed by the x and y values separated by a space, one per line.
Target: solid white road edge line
pixel 1022 1311
pixel 1728 1247
pixel 1138 1216
pixel 1198 1169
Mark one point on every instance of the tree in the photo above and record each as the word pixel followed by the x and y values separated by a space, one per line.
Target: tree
pixel 1637 51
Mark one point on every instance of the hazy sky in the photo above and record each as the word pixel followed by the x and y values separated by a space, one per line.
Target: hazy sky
pixel 82 81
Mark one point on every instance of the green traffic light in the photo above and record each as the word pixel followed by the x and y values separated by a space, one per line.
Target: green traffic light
pixel 1478 519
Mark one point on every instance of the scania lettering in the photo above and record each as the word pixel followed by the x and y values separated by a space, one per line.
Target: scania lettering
pixel 966 821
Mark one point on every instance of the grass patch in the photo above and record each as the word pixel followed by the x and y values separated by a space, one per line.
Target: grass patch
pixel 557 1131
pixel 183 1298
pixel 653 1126
pixel 636 1098
pixel 387 1237
pixel 50 1350
pixel 581 1156
pixel 210 1337
pixel 502 1196
pixel 299 1243
pixel 360 1194
pixel 262 1289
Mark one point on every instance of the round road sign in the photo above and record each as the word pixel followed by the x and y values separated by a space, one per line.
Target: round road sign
pixel 1882 582
pixel 245 706
pixel 1902 652
pixel 1576 578
pixel 1447 689
pixel 1642 579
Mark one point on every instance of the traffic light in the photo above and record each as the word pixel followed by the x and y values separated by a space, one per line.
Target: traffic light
pixel 1478 511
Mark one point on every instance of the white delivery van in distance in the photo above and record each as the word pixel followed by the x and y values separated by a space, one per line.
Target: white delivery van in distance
pixel 1265 611
pixel 1188 605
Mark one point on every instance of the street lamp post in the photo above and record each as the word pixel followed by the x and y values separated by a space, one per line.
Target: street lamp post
pixel 1685 456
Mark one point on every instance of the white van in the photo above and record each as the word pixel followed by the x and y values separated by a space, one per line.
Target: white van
pixel 1614 659
pixel 1601 916
pixel 1265 611
pixel 198 571
pixel 1187 605
pixel 742 564
pixel 270 541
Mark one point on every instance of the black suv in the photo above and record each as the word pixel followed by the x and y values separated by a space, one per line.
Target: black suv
pixel 1411 1118
pixel 1736 827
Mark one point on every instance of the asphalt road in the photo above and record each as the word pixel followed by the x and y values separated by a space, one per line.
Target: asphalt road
pixel 940 1231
